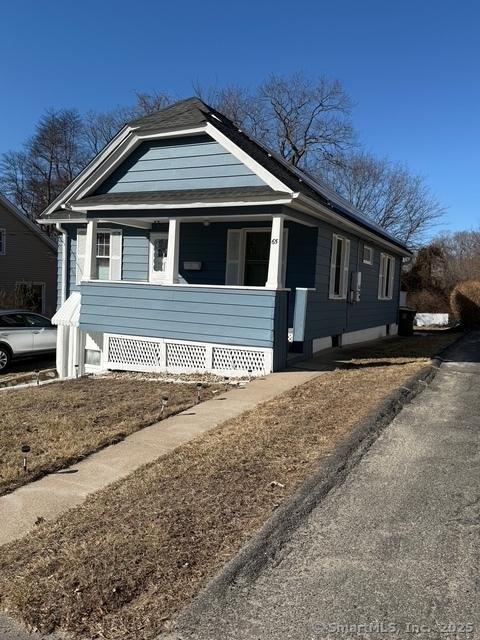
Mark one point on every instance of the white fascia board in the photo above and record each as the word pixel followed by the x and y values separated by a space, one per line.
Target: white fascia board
pixel 303 203
pixel 89 169
pixel 183 205
pixel 265 175
pixel 122 153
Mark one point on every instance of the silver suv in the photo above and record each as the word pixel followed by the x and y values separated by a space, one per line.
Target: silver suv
pixel 23 333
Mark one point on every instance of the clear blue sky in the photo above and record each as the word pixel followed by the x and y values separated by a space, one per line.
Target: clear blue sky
pixel 411 66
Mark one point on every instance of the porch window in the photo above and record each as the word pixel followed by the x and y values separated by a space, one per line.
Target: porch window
pixel 339 264
pixel 248 254
pixel 103 256
pixel 108 254
pixel 386 277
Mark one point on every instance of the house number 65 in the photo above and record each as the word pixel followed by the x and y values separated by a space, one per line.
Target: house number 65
pixel 274 240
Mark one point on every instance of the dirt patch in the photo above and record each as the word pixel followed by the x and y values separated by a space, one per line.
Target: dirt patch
pixel 124 563
pixel 65 421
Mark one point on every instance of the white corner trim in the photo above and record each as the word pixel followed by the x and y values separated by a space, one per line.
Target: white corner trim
pixel 247 160
pixel 363 335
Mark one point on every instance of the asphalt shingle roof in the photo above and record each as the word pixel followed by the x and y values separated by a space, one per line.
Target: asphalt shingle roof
pixel 194 112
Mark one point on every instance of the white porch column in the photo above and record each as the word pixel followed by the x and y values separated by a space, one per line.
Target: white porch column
pixel 275 275
pixel 90 250
pixel 171 267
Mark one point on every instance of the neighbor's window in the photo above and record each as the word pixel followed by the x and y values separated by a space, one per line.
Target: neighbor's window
pixel 386 277
pixel 3 242
pixel 30 295
pixel 339 267
pixel 103 256
pixel 367 254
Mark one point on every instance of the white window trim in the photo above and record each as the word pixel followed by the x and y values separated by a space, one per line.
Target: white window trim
pixel 370 261
pixel 385 289
pixel 242 248
pixel 80 266
pixel 3 249
pixel 344 267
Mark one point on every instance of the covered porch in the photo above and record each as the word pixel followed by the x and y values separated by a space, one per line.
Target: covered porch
pixel 179 294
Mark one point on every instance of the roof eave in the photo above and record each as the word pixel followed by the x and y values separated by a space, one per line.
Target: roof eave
pixel 316 209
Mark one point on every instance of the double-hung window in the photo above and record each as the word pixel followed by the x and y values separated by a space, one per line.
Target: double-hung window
pixel 3 242
pixel 339 264
pixel 386 277
pixel 102 256
pixel 107 264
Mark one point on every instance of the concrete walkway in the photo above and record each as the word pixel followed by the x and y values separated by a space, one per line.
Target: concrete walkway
pixel 52 495
pixel 394 552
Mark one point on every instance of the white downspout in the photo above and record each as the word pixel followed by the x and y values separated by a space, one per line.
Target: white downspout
pixel 63 292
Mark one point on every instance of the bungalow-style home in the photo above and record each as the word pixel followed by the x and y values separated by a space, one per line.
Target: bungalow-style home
pixel 188 246
pixel 28 262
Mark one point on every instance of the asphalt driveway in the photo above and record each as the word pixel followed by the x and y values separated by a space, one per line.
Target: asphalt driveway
pixel 395 550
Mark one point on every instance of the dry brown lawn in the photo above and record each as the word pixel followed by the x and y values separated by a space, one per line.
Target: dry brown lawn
pixel 66 421
pixel 121 565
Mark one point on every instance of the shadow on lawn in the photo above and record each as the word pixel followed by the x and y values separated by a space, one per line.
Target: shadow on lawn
pixel 397 351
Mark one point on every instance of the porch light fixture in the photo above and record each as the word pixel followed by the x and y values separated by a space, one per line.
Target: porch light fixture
pixel 25 450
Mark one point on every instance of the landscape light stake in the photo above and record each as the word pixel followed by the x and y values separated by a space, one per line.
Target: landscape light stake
pixel 37 376
pixel 164 404
pixel 249 375
pixel 25 449
pixel 76 371
pixel 199 391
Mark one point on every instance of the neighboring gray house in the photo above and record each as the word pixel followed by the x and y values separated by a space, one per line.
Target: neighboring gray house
pixel 187 246
pixel 28 262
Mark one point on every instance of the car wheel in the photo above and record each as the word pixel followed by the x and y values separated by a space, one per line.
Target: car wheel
pixel 5 359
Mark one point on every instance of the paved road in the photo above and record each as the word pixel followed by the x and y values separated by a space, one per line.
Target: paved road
pixel 398 543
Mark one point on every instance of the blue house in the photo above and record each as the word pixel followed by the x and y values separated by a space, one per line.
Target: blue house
pixel 187 246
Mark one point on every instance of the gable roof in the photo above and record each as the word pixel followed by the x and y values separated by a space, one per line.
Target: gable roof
pixel 194 113
pixel 16 213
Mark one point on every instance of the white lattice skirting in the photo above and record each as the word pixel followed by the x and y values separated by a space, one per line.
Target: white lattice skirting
pixel 130 353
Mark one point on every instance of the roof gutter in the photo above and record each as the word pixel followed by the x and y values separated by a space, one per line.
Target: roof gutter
pixel 315 209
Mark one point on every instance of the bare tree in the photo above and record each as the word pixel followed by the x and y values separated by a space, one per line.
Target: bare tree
pixel 388 193
pixel 306 122
pixel 462 254
pixel 51 158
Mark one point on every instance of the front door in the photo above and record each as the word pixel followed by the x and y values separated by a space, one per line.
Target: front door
pixel 257 252
pixel 158 256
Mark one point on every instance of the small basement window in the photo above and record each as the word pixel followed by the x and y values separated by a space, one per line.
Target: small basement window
pixel 367 254
pixel 92 357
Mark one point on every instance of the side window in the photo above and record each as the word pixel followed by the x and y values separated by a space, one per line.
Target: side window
pixel 367 257
pixel 14 320
pixel 339 264
pixel 386 277
pixel 37 321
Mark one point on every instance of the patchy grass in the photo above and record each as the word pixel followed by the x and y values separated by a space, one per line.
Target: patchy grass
pixel 65 421
pixel 121 565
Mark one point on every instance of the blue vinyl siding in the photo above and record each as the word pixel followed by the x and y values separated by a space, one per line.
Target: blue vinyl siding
pixel 194 162
pixel 239 317
pixel 326 317
pixel 135 254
